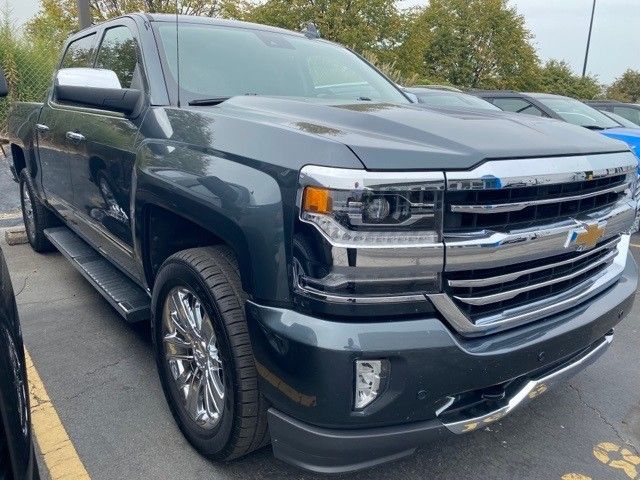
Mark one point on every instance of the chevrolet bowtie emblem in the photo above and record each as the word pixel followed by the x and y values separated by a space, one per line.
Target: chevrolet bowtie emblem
pixel 586 237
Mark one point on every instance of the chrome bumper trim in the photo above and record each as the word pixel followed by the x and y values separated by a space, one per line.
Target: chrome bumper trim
pixel 531 390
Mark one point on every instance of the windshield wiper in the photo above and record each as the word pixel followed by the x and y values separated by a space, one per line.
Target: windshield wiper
pixel 214 100
pixel 593 127
pixel 208 101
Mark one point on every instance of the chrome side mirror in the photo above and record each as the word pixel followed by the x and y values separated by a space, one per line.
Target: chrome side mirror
pixel 96 88
pixel 87 77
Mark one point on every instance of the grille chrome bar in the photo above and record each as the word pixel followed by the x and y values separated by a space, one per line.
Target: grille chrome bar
pixel 509 277
pixel 499 174
pixel 509 294
pixel 489 249
pixel 517 206
pixel 510 318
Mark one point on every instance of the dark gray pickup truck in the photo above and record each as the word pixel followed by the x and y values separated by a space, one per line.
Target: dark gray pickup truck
pixel 325 265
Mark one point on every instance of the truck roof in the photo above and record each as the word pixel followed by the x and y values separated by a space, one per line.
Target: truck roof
pixel 168 17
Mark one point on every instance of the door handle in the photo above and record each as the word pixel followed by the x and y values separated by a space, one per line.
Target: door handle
pixel 42 127
pixel 75 136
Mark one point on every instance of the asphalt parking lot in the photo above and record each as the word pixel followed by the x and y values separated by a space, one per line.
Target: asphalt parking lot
pixel 100 377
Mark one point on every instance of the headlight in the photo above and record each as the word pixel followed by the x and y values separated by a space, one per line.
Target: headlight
pixel 373 235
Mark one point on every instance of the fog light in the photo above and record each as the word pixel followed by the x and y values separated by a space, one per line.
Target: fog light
pixel 371 377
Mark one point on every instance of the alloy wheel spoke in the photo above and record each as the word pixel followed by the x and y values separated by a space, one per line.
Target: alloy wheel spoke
pixel 214 395
pixel 193 396
pixel 175 340
pixel 187 357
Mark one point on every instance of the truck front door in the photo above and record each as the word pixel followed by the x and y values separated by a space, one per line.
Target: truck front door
pixel 102 174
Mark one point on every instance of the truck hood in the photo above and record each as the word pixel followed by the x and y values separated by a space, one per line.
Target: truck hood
pixel 402 137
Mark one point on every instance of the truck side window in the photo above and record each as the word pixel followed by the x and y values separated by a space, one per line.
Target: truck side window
pixel 517 105
pixel 628 113
pixel 119 52
pixel 79 52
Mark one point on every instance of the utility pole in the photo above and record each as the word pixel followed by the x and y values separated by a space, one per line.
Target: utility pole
pixel 84 13
pixel 586 54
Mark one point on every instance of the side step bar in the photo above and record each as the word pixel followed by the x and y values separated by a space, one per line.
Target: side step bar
pixel 131 301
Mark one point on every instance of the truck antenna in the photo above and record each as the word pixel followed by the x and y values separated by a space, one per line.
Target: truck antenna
pixel 177 54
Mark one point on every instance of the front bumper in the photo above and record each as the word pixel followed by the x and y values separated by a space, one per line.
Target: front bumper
pixel 306 372
pixel 333 451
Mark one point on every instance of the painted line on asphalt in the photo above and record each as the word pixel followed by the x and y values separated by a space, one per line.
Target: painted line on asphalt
pixel 634 245
pixel 58 453
pixel 11 215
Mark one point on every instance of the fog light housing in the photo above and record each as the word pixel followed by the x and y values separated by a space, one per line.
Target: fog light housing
pixel 371 380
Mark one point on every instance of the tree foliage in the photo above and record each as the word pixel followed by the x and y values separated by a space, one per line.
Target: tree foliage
pixel 471 43
pixel 363 25
pixel 626 88
pixel 557 77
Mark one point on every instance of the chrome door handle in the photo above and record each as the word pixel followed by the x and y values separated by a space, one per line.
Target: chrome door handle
pixel 75 136
pixel 41 127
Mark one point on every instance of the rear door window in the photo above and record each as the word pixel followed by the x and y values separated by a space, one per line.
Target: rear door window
pixel 79 52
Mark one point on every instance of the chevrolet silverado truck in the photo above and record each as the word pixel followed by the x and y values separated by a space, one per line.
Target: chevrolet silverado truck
pixel 325 265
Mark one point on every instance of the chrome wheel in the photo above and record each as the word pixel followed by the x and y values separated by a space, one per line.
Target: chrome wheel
pixel 27 208
pixel 191 352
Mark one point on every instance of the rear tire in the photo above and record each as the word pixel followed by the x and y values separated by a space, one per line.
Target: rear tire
pixel 35 215
pixel 207 281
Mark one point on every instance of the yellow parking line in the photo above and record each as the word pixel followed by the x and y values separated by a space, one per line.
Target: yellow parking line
pixel 59 454
pixel 635 245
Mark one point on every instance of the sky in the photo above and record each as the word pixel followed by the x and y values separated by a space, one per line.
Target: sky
pixel 559 26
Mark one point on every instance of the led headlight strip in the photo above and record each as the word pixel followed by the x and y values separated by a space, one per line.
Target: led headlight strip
pixel 361 209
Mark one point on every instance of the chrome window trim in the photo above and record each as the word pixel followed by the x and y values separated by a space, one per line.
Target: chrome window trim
pixel 531 172
pixel 517 206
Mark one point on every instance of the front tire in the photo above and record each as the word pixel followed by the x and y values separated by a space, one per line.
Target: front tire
pixel 203 353
pixel 35 215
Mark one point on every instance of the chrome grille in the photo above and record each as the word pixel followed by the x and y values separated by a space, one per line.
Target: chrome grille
pixel 487 292
pixel 517 246
pixel 529 206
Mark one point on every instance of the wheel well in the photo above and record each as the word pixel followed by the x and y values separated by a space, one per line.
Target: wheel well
pixel 168 233
pixel 17 154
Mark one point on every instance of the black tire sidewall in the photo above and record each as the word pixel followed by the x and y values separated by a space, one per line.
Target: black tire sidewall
pixel 25 183
pixel 213 443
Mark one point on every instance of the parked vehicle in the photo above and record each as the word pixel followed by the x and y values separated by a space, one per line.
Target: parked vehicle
pixel 324 264
pixel 620 119
pixel 17 458
pixel 630 111
pixel 449 99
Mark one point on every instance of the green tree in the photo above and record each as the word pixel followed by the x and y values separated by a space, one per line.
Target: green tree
pixel 557 77
pixel 626 88
pixel 364 25
pixel 470 43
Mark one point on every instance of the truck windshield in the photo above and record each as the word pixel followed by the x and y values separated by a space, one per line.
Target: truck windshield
pixel 219 62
